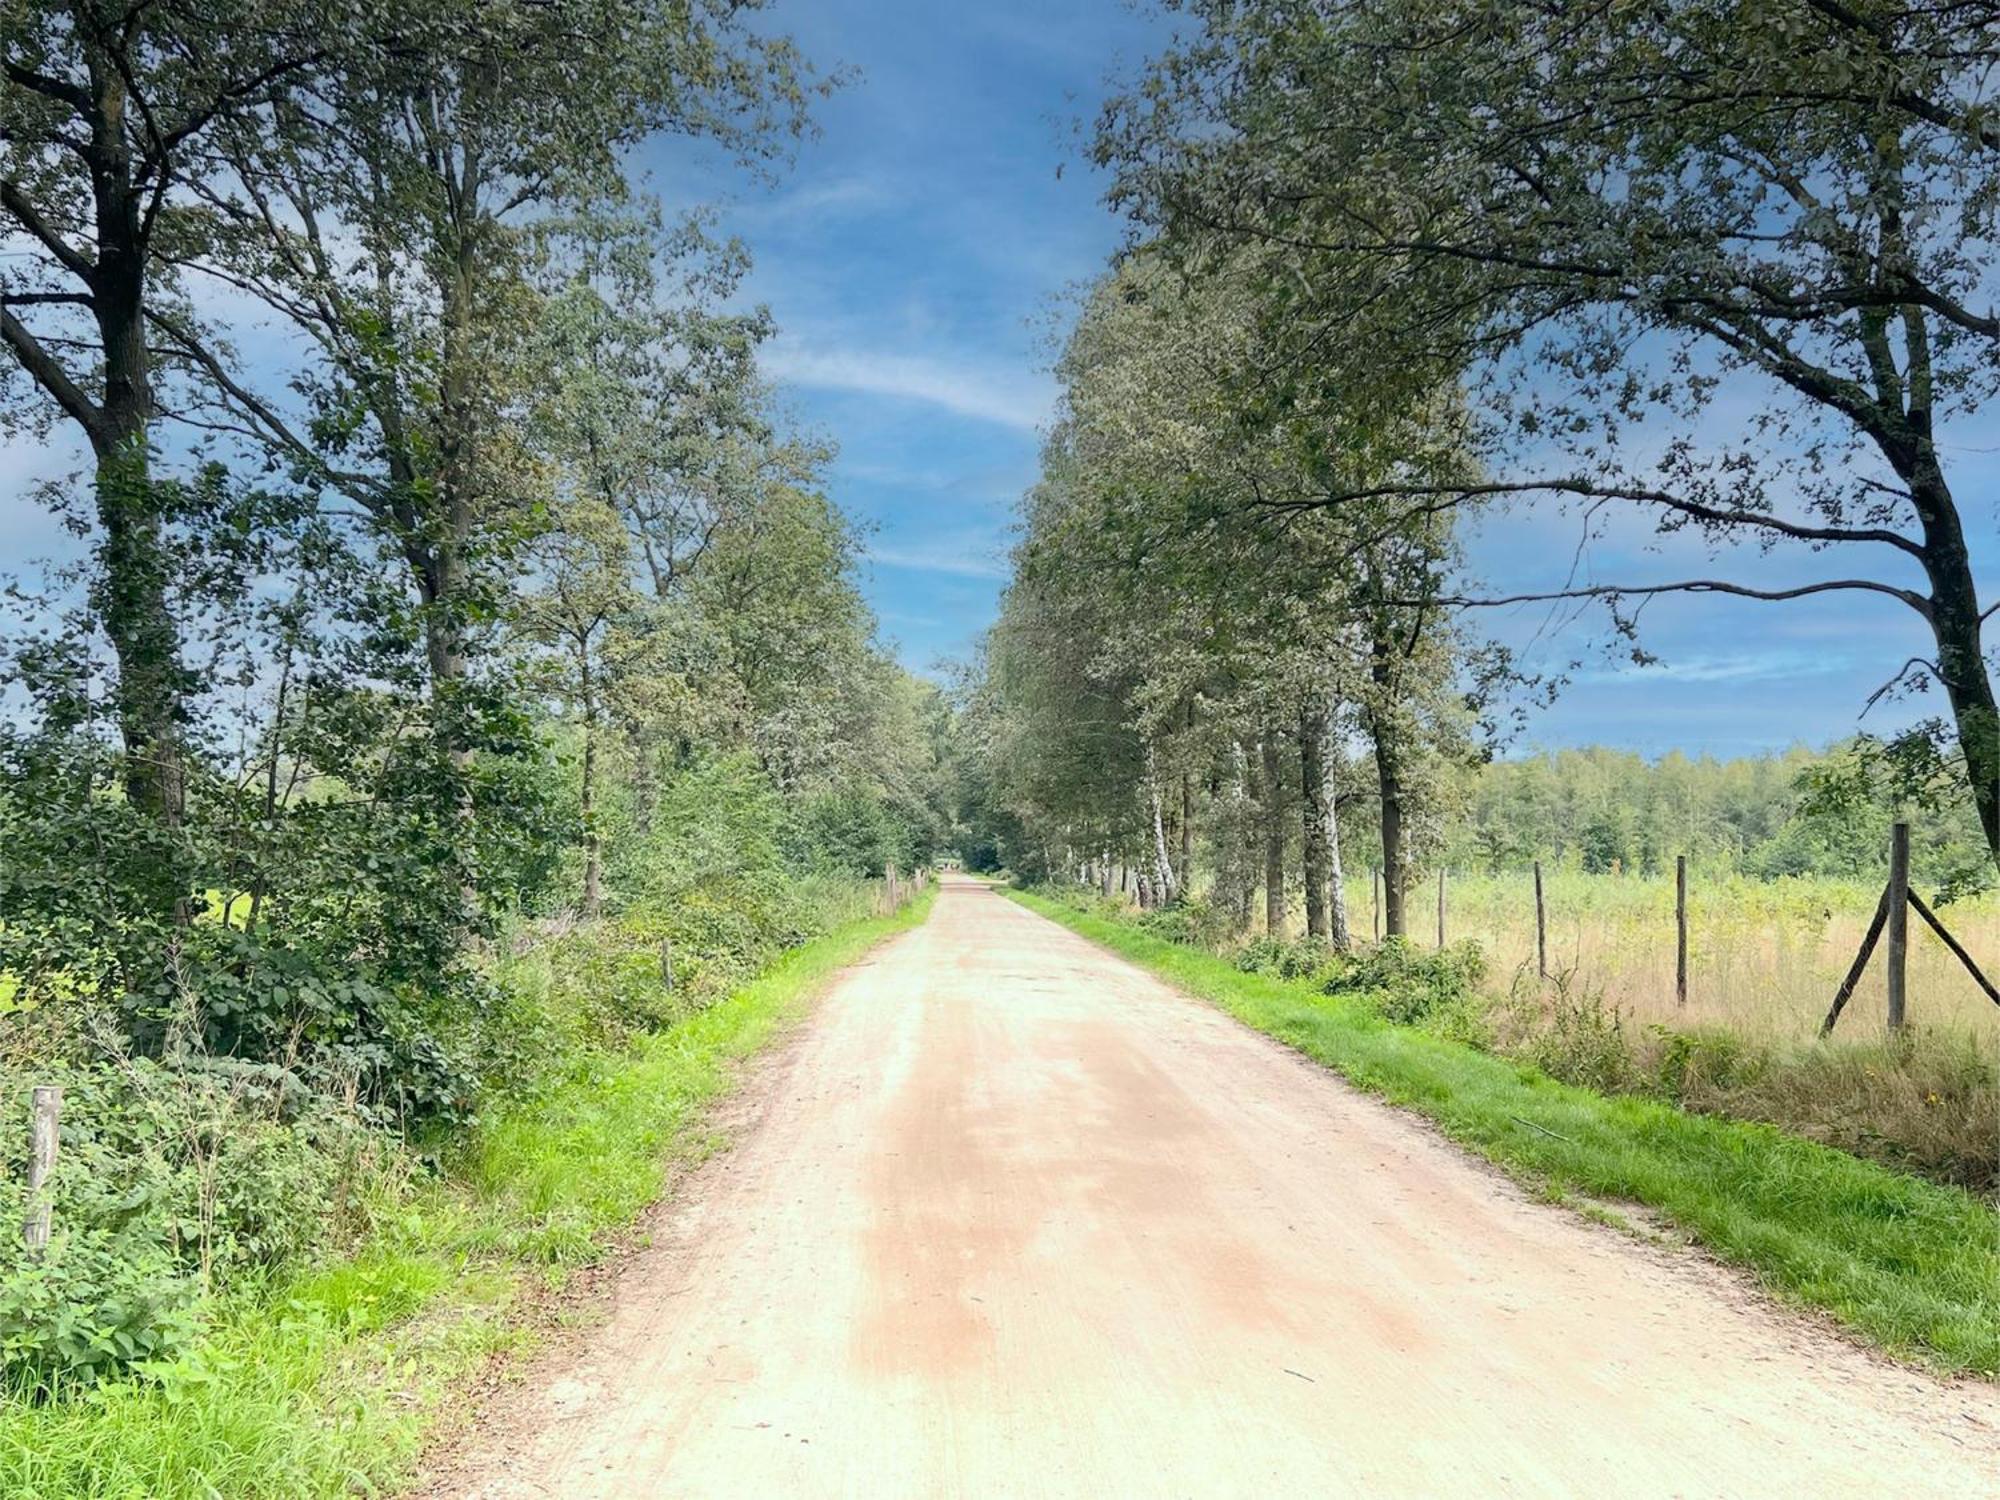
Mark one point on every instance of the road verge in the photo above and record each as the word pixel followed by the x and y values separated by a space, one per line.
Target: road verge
pixel 1911 1266
pixel 328 1383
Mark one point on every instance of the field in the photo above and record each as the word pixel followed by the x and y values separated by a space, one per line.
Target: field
pixel 1764 957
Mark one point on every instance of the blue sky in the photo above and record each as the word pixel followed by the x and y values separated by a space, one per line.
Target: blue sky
pixel 920 254
pixel 919 257
pixel 914 256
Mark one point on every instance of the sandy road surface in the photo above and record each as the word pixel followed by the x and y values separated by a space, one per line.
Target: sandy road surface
pixel 1013 1219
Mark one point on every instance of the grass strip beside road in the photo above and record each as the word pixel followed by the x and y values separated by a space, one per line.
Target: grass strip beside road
pixel 1908 1264
pixel 327 1384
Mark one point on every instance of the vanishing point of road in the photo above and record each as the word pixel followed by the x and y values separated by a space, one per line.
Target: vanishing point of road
pixel 1008 1217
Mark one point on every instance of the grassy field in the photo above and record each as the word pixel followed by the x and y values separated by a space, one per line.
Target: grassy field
pixel 1911 1265
pixel 1764 956
pixel 327 1383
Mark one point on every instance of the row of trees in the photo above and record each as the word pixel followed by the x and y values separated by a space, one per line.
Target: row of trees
pixel 435 516
pixel 1720 273
pixel 1175 682
pixel 1801 812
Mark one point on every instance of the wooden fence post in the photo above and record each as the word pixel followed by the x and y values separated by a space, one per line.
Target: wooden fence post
pixel 41 1164
pixel 1680 929
pixel 1868 942
pixel 1541 927
pixel 1899 921
pixel 1440 909
pixel 1923 910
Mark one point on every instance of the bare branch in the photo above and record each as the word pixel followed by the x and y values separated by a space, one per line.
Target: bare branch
pixel 1694 509
pixel 1914 600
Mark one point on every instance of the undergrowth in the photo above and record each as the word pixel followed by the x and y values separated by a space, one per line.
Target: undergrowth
pixel 322 1379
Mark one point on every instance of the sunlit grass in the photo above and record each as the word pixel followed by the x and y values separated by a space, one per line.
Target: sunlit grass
pixel 1764 956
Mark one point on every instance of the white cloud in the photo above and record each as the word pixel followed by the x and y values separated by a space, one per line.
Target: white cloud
pixel 969 560
pixel 1754 666
pixel 828 196
pixel 968 388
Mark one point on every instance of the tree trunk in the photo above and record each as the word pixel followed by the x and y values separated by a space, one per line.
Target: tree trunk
pixel 131 598
pixel 131 592
pixel 1235 864
pixel 593 844
pixel 1187 832
pixel 1336 882
pixel 1313 812
pixel 1164 884
pixel 1395 871
pixel 1956 627
pixel 1274 836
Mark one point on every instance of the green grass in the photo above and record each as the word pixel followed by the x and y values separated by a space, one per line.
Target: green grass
pixel 327 1384
pixel 1910 1265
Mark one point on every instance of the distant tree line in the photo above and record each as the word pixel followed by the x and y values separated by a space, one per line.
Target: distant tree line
pixel 1766 816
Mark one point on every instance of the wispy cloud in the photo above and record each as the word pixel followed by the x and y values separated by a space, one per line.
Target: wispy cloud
pixel 1763 666
pixel 968 559
pixel 969 388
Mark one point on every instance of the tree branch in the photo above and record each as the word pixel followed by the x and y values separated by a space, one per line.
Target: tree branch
pixel 73 260
pixel 1914 600
pixel 50 375
pixel 1694 509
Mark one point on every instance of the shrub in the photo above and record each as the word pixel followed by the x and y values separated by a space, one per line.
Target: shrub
pixel 1193 921
pixel 1409 985
pixel 171 1181
pixel 1581 1039
pixel 1695 1063
pixel 1311 958
pixel 1260 954
pixel 108 1293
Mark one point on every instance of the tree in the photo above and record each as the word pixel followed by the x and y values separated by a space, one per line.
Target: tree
pixel 585 598
pixel 395 213
pixel 107 113
pixel 1177 619
pixel 1615 215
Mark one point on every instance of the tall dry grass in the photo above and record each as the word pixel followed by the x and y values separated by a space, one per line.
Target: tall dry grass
pixel 1765 957
pixel 1764 961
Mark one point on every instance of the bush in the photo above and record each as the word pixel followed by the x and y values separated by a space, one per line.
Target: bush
pixel 1260 954
pixel 1696 1063
pixel 1192 920
pixel 103 1298
pixel 570 991
pixel 171 1181
pixel 1311 958
pixel 1409 985
pixel 1582 1040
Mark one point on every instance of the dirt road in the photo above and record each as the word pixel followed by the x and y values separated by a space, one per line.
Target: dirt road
pixel 1009 1218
